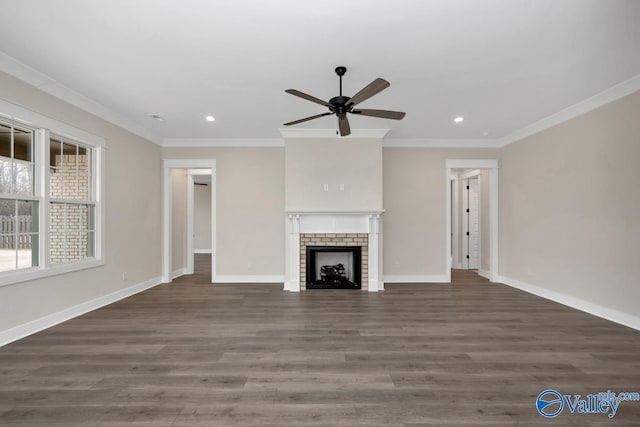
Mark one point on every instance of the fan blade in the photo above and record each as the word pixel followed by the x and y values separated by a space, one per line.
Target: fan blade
pixel 373 88
pixel 384 114
pixel 307 119
pixel 343 125
pixel 308 97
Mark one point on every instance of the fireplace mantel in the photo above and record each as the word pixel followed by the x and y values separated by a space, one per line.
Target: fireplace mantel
pixel 342 222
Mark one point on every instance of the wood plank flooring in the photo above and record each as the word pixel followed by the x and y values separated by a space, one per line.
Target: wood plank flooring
pixel 193 354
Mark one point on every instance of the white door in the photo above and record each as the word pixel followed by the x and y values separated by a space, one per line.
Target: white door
pixel 471 224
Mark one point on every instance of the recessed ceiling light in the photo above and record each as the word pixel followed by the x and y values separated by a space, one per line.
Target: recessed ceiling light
pixel 458 119
pixel 156 117
pixel 210 119
pixel 485 133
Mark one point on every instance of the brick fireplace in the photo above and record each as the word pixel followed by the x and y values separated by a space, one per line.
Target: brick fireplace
pixel 334 229
pixel 328 240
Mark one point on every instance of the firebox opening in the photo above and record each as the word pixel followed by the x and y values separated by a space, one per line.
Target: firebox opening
pixel 334 267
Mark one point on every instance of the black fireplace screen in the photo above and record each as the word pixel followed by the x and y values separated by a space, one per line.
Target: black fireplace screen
pixel 334 267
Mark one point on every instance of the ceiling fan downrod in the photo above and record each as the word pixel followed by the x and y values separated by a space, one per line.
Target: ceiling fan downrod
pixel 340 71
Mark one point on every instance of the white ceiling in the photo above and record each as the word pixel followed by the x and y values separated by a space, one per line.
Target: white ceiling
pixel 502 64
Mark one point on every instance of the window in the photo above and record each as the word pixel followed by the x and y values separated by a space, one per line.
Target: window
pixel 50 210
pixel 71 208
pixel 18 227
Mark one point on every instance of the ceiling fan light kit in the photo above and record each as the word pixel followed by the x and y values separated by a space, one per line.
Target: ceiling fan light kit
pixel 342 105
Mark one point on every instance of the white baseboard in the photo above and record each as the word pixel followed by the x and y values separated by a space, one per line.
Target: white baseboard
pixel 249 279
pixel 178 273
pixel 484 273
pixel 415 278
pixel 202 251
pixel 577 303
pixel 53 319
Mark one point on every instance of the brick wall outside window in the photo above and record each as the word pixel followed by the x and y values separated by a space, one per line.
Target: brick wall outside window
pixel 69 223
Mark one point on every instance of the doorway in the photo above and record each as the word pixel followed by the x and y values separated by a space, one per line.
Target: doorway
pixel 203 167
pixel 472 216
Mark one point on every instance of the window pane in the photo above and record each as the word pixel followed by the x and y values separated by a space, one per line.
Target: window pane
pixel 5 175
pixel 27 228
pixel 84 174
pixel 23 145
pixel 71 232
pixel 7 253
pixel 27 250
pixel 18 234
pixel 27 216
pixel 22 178
pixel 57 225
pixel 5 140
pixel 55 171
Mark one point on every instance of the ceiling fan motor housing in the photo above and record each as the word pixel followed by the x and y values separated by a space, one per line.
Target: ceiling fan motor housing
pixel 339 104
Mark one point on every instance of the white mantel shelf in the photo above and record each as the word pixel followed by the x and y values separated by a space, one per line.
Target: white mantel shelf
pixel 334 212
pixel 333 221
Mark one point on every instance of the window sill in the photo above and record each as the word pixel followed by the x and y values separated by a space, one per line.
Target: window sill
pixel 34 273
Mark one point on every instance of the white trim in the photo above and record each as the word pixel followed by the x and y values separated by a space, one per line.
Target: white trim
pixel 249 279
pixel 199 172
pixel 202 251
pixel 49 85
pixel 417 278
pixel 492 165
pixel 26 274
pixel 470 174
pixel 223 142
pixel 440 143
pixel 331 133
pixel 335 212
pixel 484 273
pixel 190 219
pixel 179 272
pixel 613 315
pixel 167 165
pixel 28 117
pixel 455 229
pixel 471 163
pixel 29 328
pixel 465 224
pixel 607 96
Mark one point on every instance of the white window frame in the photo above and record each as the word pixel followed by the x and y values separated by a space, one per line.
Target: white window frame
pixel 43 127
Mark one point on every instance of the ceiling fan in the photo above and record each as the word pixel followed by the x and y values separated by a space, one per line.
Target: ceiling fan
pixel 341 105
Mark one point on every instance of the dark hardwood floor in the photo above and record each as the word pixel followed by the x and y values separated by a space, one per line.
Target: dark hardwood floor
pixel 193 354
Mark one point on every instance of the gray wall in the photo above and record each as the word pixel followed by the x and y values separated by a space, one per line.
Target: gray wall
pixel 178 220
pixel 569 207
pixel 250 207
pixel 202 217
pixel 415 203
pixel 354 162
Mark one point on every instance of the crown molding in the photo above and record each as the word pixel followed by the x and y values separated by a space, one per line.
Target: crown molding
pixel 49 85
pixel 607 96
pixel 440 143
pixel 29 117
pixel 331 133
pixel 223 142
